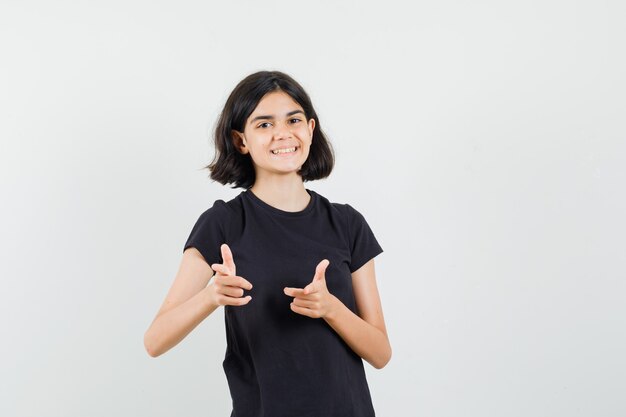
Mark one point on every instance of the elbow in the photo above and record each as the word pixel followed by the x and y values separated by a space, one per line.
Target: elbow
pixel 151 353
pixel 149 346
pixel 381 362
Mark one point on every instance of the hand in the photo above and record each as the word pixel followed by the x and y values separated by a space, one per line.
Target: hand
pixel 226 287
pixel 314 300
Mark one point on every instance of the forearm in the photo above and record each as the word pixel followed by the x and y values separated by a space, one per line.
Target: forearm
pixel 367 341
pixel 173 326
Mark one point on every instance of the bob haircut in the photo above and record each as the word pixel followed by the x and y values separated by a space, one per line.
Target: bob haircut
pixel 231 166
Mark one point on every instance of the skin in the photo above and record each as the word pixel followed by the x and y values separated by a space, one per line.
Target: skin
pixel 192 297
pixel 277 181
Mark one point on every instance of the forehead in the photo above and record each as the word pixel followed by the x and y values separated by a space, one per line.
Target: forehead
pixel 275 103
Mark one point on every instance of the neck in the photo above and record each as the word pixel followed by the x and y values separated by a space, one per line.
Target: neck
pixel 287 194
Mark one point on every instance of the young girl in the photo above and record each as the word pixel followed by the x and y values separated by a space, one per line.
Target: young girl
pixel 294 271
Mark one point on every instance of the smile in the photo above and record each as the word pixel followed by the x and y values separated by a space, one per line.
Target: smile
pixel 285 151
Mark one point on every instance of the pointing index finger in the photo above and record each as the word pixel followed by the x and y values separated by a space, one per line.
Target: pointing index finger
pixel 294 292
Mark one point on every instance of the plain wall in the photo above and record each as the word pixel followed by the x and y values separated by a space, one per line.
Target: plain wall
pixel 484 142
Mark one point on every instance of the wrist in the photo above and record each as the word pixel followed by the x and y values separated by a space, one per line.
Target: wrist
pixel 335 308
pixel 209 301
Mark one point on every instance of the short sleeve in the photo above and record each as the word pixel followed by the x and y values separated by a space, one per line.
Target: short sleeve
pixel 363 243
pixel 209 232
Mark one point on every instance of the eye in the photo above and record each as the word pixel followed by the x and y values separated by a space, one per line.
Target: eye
pixel 264 123
pixel 297 120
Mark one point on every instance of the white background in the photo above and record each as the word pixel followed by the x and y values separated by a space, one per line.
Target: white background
pixel 484 142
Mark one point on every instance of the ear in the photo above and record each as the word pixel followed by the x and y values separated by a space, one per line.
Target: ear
pixel 239 141
pixel 311 127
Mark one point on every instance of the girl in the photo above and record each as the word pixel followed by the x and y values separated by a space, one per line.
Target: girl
pixel 294 271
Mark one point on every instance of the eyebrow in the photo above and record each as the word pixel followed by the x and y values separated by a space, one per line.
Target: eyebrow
pixel 271 117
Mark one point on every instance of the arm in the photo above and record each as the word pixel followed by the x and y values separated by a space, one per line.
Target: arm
pixel 366 332
pixel 186 305
pixel 191 299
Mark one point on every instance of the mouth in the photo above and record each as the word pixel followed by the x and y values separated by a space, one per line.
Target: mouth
pixel 285 151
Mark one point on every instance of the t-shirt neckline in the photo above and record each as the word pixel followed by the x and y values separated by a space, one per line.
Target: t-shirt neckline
pixel 278 211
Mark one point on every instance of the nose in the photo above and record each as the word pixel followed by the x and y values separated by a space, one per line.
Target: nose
pixel 282 130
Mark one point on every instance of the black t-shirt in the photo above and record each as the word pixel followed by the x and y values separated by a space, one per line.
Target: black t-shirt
pixel 279 363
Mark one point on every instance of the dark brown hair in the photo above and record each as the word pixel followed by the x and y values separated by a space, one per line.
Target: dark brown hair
pixel 231 166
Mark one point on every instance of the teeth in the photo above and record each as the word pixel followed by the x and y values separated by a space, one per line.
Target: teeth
pixel 284 150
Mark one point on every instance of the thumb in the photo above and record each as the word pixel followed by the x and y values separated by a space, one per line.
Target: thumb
pixel 320 270
pixel 227 257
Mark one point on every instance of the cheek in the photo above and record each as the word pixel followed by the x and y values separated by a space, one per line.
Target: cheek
pixel 305 149
pixel 306 139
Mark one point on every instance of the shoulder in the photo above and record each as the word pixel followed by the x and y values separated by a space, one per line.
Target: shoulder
pixel 349 215
pixel 348 211
pixel 221 209
pixel 218 217
pixel 218 211
pixel 353 218
pixel 343 209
